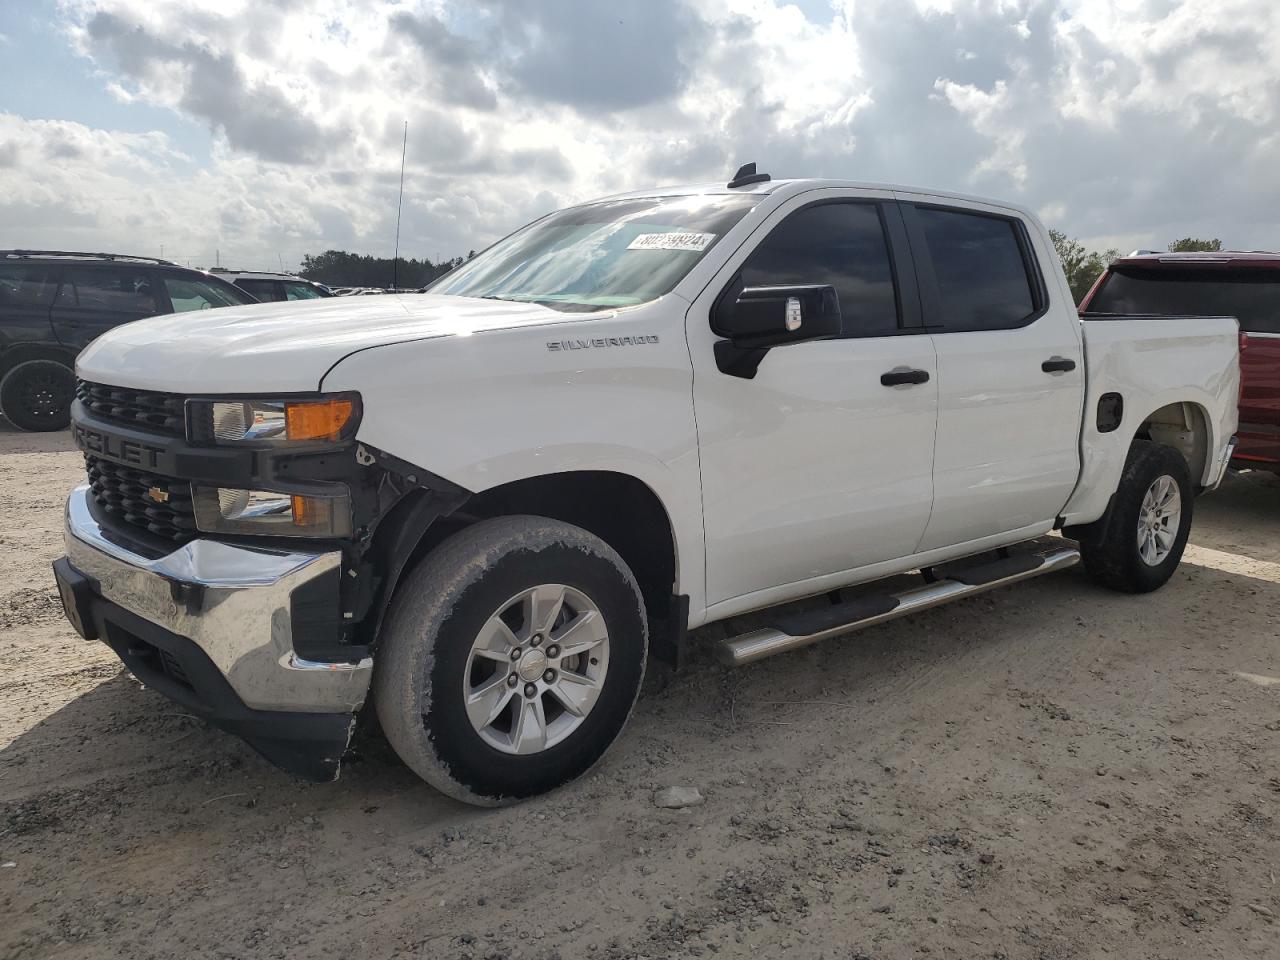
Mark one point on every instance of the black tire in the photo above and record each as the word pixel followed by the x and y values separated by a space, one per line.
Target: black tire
pixel 438 611
pixel 1109 546
pixel 36 395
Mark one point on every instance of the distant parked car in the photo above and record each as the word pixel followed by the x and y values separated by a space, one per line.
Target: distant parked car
pixel 53 303
pixel 1234 284
pixel 275 286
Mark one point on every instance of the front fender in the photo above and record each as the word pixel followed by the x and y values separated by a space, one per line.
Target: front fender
pixel 610 393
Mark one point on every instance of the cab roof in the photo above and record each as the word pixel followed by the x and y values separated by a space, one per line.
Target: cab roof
pixel 791 187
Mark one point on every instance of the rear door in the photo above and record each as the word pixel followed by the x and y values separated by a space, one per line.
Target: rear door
pixel 26 296
pixel 1010 372
pixel 94 298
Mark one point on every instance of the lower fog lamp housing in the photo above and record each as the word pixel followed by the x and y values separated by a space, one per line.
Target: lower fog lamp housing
pixel 269 513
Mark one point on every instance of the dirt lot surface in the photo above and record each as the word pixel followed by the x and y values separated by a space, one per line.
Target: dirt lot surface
pixel 1047 771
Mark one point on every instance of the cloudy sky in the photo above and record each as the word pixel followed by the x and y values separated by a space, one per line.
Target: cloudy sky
pixel 266 129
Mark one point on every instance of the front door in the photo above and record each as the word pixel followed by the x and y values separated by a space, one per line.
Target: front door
pixel 815 466
pixel 1010 374
pixel 26 296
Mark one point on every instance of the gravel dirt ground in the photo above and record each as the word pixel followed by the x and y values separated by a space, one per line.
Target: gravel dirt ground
pixel 1047 771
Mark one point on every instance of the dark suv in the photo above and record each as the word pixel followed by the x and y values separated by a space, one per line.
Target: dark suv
pixel 53 303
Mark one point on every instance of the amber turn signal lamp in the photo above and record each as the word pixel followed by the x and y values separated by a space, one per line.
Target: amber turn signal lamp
pixel 311 511
pixel 317 420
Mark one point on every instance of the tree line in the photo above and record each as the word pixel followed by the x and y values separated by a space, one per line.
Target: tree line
pixel 338 268
pixel 1083 266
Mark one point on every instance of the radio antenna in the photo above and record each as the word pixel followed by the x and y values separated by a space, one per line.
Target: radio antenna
pixel 395 263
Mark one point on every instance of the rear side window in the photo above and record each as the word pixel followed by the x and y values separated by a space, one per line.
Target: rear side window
pixel 120 291
pixel 264 290
pixel 1251 296
pixel 26 285
pixel 980 269
pixel 841 244
pixel 189 293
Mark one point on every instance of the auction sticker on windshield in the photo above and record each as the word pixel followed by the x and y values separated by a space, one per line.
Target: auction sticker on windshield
pixel 695 242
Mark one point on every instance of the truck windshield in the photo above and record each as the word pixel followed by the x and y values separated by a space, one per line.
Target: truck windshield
pixel 617 253
pixel 1251 296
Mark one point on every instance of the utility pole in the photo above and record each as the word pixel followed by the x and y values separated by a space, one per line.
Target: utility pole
pixel 395 263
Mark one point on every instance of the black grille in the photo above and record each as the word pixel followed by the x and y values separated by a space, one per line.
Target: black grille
pixel 161 505
pixel 163 412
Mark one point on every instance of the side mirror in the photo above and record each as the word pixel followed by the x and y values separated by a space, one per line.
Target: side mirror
pixel 755 319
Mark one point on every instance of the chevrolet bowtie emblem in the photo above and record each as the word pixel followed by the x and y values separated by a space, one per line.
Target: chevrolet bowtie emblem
pixel 158 494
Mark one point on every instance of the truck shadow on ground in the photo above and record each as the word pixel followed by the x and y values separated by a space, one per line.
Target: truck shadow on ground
pixel 123 762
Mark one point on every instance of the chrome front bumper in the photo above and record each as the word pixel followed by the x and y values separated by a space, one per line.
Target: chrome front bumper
pixel 231 601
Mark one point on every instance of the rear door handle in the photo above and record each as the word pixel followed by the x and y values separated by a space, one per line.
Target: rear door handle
pixel 1058 365
pixel 901 376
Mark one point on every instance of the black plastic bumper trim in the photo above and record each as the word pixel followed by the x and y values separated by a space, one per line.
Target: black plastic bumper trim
pixel 308 745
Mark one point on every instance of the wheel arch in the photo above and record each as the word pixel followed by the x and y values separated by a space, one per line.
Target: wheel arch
pixel 1185 426
pixel 22 352
pixel 619 508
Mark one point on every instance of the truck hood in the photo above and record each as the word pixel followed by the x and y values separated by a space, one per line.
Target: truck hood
pixel 284 347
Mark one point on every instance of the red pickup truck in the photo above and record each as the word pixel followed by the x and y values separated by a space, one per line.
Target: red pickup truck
pixel 1241 285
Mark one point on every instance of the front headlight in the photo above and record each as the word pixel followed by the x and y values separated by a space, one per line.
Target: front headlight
pixel 266 513
pixel 283 421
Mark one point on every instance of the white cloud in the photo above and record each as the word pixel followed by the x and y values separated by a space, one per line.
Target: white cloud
pixel 1123 118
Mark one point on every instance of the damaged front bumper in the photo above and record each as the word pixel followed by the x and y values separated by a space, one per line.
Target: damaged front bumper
pixel 210 625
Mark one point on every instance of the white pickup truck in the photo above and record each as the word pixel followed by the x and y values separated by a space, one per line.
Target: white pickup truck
pixel 488 505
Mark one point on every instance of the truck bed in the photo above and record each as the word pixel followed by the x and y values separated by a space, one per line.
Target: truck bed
pixel 1171 369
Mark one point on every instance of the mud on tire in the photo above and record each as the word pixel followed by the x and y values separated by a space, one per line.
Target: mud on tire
pixel 1110 547
pixel 430 668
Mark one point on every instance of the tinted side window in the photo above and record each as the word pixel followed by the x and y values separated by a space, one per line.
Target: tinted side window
pixel 264 290
pixel 982 276
pixel 842 244
pixel 300 291
pixel 26 285
pixel 122 291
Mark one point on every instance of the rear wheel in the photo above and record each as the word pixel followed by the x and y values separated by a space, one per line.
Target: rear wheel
pixel 1136 547
pixel 511 659
pixel 36 395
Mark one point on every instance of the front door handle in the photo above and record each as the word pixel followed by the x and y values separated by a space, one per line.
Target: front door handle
pixel 1058 365
pixel 902 376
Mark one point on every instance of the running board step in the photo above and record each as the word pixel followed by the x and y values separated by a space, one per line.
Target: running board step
pixel 799 630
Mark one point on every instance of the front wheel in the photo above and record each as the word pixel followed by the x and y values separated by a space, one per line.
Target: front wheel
pixel 36 395
pixel 1136 547
pixel 511 659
